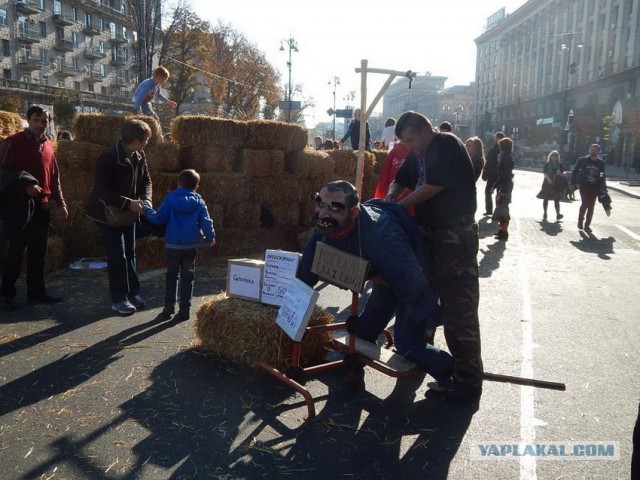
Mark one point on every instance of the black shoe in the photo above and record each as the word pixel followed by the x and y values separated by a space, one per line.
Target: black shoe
pixel 8 304
pixel 559 217
pixel 458 391
pixel 502 235
pixel 182 316
pixel 45 299
pixel 587 229
pixel 544 216
pixel 167 312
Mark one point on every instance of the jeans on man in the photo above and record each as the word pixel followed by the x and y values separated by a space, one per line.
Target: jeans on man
pixel 181 266
pixel 120 247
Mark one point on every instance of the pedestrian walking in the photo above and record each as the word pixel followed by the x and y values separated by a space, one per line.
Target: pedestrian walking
pixel 490 172
pixel 554 184
pixel 589 175
pixel 503 187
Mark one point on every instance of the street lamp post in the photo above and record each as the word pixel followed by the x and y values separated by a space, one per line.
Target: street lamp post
pixel 335 81
pixel 292 45
pixel 567 114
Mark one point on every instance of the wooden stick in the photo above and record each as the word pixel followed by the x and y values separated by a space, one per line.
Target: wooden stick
pixel 530 382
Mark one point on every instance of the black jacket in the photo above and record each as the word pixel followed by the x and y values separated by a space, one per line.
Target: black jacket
pixel 118 181
pixel 16 207
pixel 589 173
pixel 490 170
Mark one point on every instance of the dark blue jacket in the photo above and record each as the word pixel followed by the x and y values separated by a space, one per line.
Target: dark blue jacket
pixel 187 218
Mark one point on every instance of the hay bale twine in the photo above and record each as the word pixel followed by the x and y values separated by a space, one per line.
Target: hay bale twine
pixel 187 130
pixel 10 123
pixel 163 157
pixel 78 155
pixel 245 332
pixel 79 232
pixel 261 163
pixel 105 129
pixel 208 159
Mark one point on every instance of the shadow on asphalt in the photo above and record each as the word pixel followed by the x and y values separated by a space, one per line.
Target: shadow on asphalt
pixel 589 243
pixel 551 228
pixel 491 256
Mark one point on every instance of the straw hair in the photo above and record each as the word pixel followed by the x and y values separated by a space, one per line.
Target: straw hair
pixel 10 123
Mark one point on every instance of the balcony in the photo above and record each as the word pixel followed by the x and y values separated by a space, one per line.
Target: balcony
pixel 93 54
pixel 63 45
pixel 28 35
pixel 28 7
pixel 94 77
pixel 118 60
pixel 118 38
pixel 120 82
pixel 29 64
pixel 62 20
pixel 64 70
pixel 91 30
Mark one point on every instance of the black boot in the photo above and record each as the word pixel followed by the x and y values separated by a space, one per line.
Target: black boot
pixel 503 235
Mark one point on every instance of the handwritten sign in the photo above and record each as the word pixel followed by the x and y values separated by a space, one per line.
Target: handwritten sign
pixel 244 278
pixel 340 268
pixel 279 268
pixel 296 309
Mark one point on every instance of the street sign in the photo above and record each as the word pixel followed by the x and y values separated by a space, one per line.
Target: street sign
pixel 346 113
pixel 293 105
pixel 330 112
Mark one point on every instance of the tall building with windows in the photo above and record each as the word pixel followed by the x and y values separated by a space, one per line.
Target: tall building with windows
pixel 84 50
pixel 549 73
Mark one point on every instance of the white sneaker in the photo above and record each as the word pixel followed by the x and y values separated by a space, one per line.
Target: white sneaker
pixel 124 307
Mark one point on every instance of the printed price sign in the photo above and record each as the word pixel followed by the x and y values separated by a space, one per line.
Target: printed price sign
pixel 279 268
pixel 296 309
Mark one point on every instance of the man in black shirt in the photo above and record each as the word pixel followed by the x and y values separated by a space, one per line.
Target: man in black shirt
pixel 440 173
pixel 490 173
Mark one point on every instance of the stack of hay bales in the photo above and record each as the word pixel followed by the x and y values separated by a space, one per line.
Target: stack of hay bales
pixel 10 123
pixel 246 332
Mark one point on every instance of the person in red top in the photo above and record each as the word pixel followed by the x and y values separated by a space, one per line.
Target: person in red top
pixel 393 162
pixel 30 178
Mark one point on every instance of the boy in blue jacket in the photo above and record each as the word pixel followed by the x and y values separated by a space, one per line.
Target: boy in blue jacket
pixel 189 228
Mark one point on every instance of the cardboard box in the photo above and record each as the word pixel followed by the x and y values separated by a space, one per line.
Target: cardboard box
pixel 244 278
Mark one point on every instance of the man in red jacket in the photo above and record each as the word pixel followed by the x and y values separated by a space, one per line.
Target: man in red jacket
pixel 28 155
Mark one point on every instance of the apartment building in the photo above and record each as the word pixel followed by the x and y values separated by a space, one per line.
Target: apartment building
pixel 83 50
pixel 552 70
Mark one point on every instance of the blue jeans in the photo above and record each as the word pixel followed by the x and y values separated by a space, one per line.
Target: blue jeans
pixel 409 330
pixel 120 247
pixel 181 268
pixel 147 109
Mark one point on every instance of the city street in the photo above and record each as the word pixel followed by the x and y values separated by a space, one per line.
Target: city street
pixel 85 394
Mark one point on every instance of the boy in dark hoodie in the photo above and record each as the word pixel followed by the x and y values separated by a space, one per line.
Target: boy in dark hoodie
pixel 189 228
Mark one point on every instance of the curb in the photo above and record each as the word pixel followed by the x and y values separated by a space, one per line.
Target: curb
pixel 623 191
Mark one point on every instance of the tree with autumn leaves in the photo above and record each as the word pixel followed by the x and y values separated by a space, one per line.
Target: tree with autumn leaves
pixel 241 82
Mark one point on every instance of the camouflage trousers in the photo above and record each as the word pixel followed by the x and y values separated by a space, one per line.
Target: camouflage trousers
pixel 453 273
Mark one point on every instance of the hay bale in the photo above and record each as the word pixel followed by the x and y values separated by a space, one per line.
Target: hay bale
pixel 76 184
pixel 208 159
pixel 261 163
pixel 76 155
pixel 54 256
pixel 162 184
pixel 105 129
pixel 369 184
pixel 79 233
pixel 216 212
pixel 163 157
pixel 150 253
pixel 10 123
pixel 381 156
pixel 245 332
pixel 286 214
pixel 244 216
pixel 309 163
pixel 346 161
pixel 283 189
pixel 303 238
pixel 271 135
pixel 189 130
pixel 224 188
pixel 234 241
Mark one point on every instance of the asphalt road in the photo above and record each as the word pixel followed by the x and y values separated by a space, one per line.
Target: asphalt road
pixel 85 394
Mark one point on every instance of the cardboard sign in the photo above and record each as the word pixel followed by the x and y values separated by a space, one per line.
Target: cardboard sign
pixel 244 278
pixel 296 309
pixel 279 268
pixel 340 268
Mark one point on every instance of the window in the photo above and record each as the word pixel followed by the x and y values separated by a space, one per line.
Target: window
pixel 44 55
pixel 43 29
pixel 76 85
pixel 74 38
pixel 6 73
pixel 91 89
pixel 57 7
pixel 76 63
pixel 6 48
pixel 87 19
pixel 3 16
pixel 74 14
pixel 103 90
pixel 59 33
pixel 103 47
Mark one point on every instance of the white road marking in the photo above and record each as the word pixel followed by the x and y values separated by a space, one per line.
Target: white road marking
pixel 527 400
pixel 628 232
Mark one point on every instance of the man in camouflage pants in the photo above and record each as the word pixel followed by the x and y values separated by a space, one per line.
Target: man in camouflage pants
pixel 440 173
